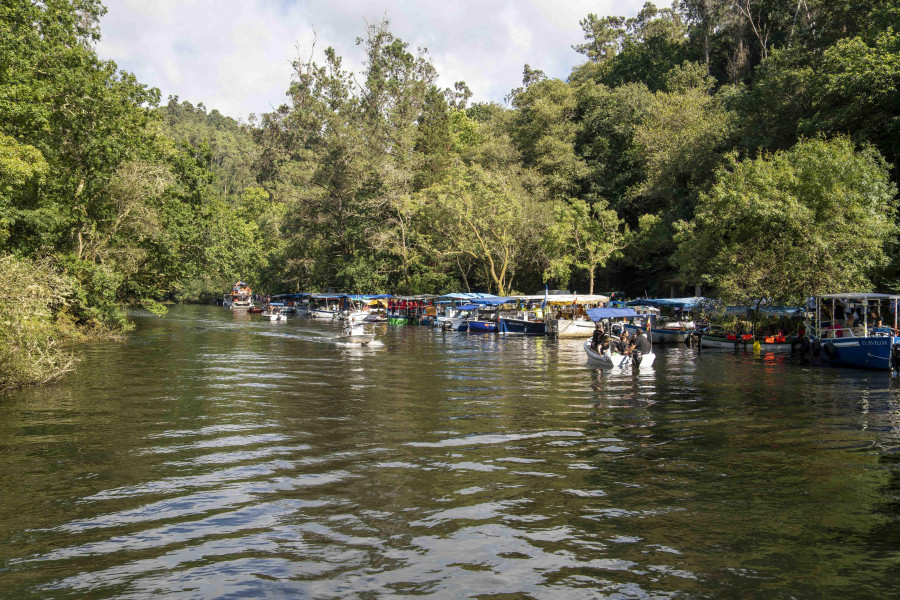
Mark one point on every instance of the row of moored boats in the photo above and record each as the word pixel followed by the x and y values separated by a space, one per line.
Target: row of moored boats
pixel 856 329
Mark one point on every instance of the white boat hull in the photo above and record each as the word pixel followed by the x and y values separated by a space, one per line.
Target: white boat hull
pixel 612 360
pixel 357 339
pixel 320 313
pixel 567 328
pixel 662 335
pixel 743 345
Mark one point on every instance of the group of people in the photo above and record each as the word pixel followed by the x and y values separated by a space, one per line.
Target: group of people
pixel 623 344
pixel 849 322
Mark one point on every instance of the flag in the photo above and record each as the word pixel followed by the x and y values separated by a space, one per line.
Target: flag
pixel 544 303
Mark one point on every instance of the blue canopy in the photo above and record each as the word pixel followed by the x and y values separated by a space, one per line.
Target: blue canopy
pixel 467 296
pixel 276 303
pixel 468 307
pixel 769 311
pixel 693 302
pixel 366 296
pixel 492 301
pixel 605 312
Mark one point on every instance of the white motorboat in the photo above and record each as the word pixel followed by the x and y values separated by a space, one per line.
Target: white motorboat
pixel 609 359
pixel 355 334
pixel 274 312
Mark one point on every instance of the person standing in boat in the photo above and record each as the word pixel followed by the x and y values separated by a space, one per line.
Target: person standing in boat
pixel 641 343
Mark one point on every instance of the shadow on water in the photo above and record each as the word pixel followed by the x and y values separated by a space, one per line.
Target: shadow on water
pixel 218 455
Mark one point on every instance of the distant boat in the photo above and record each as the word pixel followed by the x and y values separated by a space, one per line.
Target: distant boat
pixel 566 317
pixel 715 336
pixel 355 334
pixel 240 298
pixel 274 312
pixel 324 306
pixel 522 323
pixel 675 325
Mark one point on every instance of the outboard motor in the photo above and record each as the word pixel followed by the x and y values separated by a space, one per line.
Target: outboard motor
pixel 636 358
pixel 895 360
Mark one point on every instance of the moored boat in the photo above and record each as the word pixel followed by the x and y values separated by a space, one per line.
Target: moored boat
pixel 674 322
pixel 566 317
pixel 847 330
pixel 240 298
pixel 716 336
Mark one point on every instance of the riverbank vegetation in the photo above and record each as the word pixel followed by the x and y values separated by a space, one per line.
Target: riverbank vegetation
pixel 746 145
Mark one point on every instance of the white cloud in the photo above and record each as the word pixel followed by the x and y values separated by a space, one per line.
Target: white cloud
pixel 235 55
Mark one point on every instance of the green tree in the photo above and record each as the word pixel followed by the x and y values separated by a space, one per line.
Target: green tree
pixel 583 237
pixel 486 216
pixel 813 219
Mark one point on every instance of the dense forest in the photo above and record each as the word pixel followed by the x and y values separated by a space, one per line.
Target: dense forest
pixel 746 145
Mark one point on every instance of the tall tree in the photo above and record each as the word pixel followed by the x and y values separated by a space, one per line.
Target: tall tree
pixel 813 219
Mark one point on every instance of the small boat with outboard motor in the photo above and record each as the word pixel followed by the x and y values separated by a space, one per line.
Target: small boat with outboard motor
pixel 610 354
pixel 355 333
pixel 274 311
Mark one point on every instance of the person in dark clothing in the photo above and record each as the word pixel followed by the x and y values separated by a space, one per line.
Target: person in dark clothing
pixel 597 338
pixel 641 343
pixel 621 345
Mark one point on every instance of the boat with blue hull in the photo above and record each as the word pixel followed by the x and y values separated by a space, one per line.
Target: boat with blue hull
pixel 522 326
pixel 847 330
pixel 476 326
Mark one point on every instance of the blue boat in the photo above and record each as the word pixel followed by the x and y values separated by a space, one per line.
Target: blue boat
pixel 476 326
pixel 847 330
pixel 523 326
pixel 490 306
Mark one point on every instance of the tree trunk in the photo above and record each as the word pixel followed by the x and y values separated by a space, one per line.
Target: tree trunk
pixel 592 279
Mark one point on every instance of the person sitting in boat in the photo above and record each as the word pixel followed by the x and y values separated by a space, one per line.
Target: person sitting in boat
pixel 598 337
pixel 621 345
pixel 879 329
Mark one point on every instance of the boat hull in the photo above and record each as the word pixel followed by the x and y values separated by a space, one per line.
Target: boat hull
pixel 726 344
pixel 482 327
pixel 358 339
pixel 861 352
pixel 567 328
pixel 664 336
pixel 612 360
pixel 319 313
pixel 521 326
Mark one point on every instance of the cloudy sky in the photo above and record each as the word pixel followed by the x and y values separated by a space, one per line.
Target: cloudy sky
pixel 234 55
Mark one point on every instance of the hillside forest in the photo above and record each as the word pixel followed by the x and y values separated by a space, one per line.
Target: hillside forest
pixel 748 146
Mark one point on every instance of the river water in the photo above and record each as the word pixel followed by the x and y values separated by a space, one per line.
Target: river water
pixel 215 455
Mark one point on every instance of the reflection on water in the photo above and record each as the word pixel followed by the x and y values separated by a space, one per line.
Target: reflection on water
pixel 218 455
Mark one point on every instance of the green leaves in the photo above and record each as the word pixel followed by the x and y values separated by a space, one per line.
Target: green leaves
pixel 814 219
